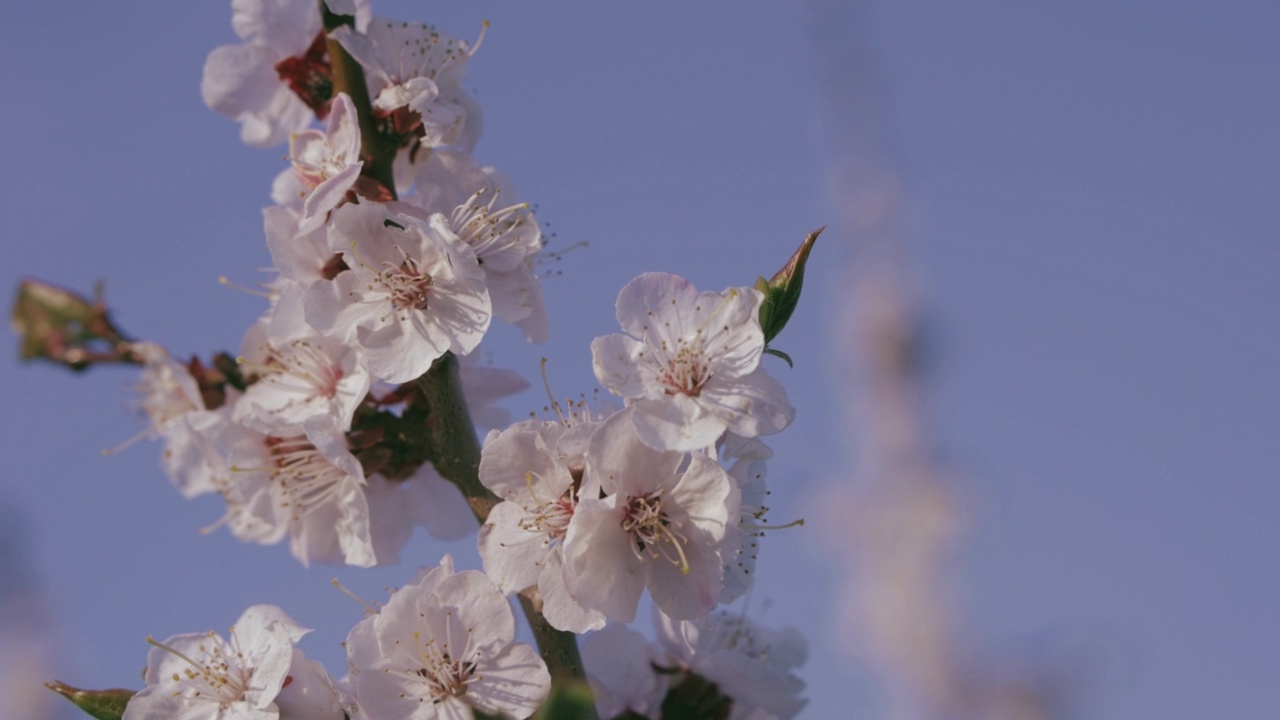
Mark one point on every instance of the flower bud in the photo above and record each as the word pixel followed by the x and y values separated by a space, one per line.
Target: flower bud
pixel 59 325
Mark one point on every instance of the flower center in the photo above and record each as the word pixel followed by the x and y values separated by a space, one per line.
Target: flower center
pixel 444 675
pixel 686 372
pixel 406 283
pixel 303 361
pixel 211 673
pixel 653 533
pixel 304 476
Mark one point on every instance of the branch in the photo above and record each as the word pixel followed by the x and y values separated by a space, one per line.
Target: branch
pixel 456 456
pixel 348 77
pixel 451 434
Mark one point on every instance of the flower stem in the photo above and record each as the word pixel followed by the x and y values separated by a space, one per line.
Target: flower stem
pixel 456 456
pixel 348 77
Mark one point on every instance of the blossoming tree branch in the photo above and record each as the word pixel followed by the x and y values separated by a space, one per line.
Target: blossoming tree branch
pixel 349 416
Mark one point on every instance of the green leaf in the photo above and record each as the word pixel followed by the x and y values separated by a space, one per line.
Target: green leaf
pixel 568 702
pixel 101 704
pixel 782 291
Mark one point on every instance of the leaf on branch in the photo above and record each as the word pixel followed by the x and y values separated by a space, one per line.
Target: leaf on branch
pixel 101 704
pixel 782 291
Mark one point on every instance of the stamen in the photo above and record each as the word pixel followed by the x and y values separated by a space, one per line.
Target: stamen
pixel 172 651
pixel 652 531
pixel 369 608
pixel 224 280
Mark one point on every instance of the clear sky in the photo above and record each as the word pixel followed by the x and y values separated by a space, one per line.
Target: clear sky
pixel 1092 211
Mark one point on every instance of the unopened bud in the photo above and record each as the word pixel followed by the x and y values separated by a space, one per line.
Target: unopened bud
pixel 59 325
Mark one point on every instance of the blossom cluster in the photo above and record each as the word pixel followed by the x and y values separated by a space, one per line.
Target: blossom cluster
pixel 387 267
pixel 598 509
pixel 370 291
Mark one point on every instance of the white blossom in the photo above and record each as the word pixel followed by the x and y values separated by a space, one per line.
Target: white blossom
pixel 536 467
pixel 303 483
pixel 418 67
pixel 689 364
pixel 201 676
pixel 242 81
pixel 299 379
pixel 661 526
pixel 327 163
pixel 171 399
pixel 412 292
pixel 750 664
pixel 505 235
pixel 441 647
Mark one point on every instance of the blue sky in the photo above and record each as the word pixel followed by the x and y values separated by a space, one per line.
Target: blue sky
pixel 1091 212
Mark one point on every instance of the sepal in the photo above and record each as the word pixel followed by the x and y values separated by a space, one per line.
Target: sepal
pixel 782 292
pixel 101 704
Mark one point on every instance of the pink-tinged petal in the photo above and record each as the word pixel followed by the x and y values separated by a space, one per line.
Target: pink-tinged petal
pixel 271 125
pixel 558 606
pixel 755 404
pixel 156 704
pixel 603 572
pixel 480 609
pixel 615 359
pixel 286 24
pixel 649 296
pixel 287 319
pixel 330 310
pixel 310 692
pixel 688 595
pixel 624 465
pixel 676 423
pixel 442 122
pixel 535 327
pixel 398 354
pixel 707 497
pixel 513 292
pixel 353 527
pixel 415 93
pixel 620 672
pixel 512 555
pixel 238 78
pixel 516 683
pixel 298 256
pixel 517 458
pixel 268 651
pixel 327 195
pixel 258 617
pixel 343 129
